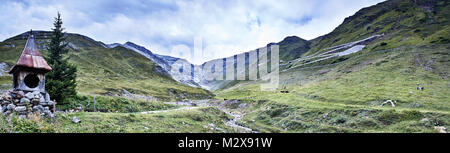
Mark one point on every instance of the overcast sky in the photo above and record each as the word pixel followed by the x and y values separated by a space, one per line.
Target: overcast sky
pixel 227 27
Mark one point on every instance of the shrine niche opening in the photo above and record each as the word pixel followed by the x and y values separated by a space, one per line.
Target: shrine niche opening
pixel 32 80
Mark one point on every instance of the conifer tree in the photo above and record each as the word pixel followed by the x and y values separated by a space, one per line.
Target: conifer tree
pixel 61 81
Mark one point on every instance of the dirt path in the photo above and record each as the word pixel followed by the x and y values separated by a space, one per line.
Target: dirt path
pixel 169 110
pixel 189 105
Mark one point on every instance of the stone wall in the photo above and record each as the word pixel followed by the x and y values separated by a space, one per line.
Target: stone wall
pixel 26 103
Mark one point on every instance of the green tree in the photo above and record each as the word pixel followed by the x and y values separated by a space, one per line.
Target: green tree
pixel 61 81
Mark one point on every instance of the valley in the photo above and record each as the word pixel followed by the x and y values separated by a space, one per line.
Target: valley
pixel 336 83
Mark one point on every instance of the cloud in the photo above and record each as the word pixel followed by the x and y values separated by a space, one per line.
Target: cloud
pixel 227 27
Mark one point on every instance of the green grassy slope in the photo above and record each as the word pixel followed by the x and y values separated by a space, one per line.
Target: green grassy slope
pixel 403 22
pixel 109 71
pixel 351 94
pixel 198 120
pixel 344 94
pixel 293 47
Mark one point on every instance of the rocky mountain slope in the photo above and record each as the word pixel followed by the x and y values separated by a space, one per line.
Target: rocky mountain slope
pixel 107 70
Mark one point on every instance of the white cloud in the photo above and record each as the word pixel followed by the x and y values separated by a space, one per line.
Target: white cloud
pixel 230 27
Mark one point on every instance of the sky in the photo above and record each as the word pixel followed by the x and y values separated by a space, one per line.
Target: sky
pixel 224 27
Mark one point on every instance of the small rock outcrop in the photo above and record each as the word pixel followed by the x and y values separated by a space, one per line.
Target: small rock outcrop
pixel 3 68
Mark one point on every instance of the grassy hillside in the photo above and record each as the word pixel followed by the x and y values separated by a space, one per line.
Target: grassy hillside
pixel 108 71
pixel 404 22
pixel 202 119
pixel 347 97
pixel 339 94
pixel 345 93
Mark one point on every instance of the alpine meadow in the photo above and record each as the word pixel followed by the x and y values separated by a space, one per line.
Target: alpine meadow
pixel 384 69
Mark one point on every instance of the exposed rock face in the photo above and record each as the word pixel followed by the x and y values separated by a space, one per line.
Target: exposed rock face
pixel 25 103
pixel 3 68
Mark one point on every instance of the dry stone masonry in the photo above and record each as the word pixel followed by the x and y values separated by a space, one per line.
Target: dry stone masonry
pixel 26 103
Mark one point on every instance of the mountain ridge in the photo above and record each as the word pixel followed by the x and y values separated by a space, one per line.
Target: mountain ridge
pixel 108 71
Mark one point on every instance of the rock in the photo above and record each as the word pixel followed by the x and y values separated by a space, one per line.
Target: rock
pixel 7 112
pixel 35 101
pixel 441 129
pixel 42 100
pixel 20 94
pixel 37 95
pixel 29 95
pixel 13 95
pixel 242 106
pixel 22 116
pixel 38 108
pixel 20 109
pixel 7 97
pixel 75 119
pixel 24 100
pixel 17 94
pixel 48 113
pixel 3 68
pixel 47 97
pixel 50 103
pixel 10 106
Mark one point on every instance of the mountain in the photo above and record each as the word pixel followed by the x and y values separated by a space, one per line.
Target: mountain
pixel 387 25
pixel 384 69
pixel 165 62
pixel 109 69
pixel 343 81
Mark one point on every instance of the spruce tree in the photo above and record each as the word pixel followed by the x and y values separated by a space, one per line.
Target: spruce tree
pixel 61 81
